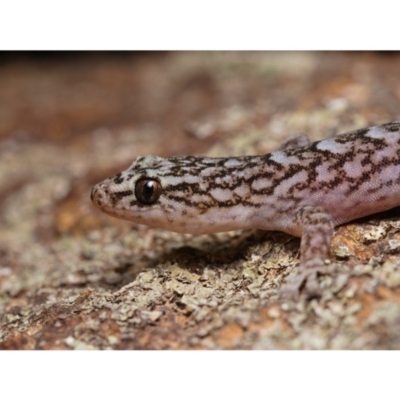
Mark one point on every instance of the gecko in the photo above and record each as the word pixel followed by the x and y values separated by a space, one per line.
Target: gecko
pixel 304 189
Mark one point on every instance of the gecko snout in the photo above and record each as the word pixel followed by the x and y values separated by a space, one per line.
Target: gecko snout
pixel 97 194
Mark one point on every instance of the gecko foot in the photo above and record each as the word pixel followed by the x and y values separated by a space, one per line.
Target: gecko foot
pixel 305 282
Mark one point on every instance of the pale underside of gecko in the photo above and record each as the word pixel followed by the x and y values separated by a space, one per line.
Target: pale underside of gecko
pixel 304 189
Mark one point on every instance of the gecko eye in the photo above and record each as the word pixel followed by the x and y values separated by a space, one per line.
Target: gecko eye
pixel 147 190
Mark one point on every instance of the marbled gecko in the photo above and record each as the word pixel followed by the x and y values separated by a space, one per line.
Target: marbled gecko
pixel 304 189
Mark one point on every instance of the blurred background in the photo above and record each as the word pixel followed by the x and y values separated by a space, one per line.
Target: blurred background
pixel 80 116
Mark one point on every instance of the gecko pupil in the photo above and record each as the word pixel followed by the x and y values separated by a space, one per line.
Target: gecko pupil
pixel 148 191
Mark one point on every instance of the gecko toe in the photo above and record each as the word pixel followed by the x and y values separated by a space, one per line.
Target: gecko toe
pixel 305 282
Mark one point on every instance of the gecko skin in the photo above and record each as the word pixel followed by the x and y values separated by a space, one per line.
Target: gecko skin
pixel 304 189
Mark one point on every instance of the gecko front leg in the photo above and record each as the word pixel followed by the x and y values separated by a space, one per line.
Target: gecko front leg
pixel 317 231
pixel 317 227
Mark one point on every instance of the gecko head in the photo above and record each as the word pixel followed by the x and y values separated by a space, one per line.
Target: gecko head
pixel 149 192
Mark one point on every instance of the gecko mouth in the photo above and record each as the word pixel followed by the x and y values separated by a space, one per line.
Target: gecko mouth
pixel 101 199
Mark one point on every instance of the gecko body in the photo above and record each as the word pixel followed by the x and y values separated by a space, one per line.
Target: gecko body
pixel 304 189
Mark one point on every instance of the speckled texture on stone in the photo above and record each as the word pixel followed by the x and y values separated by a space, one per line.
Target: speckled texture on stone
pixel 72 278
